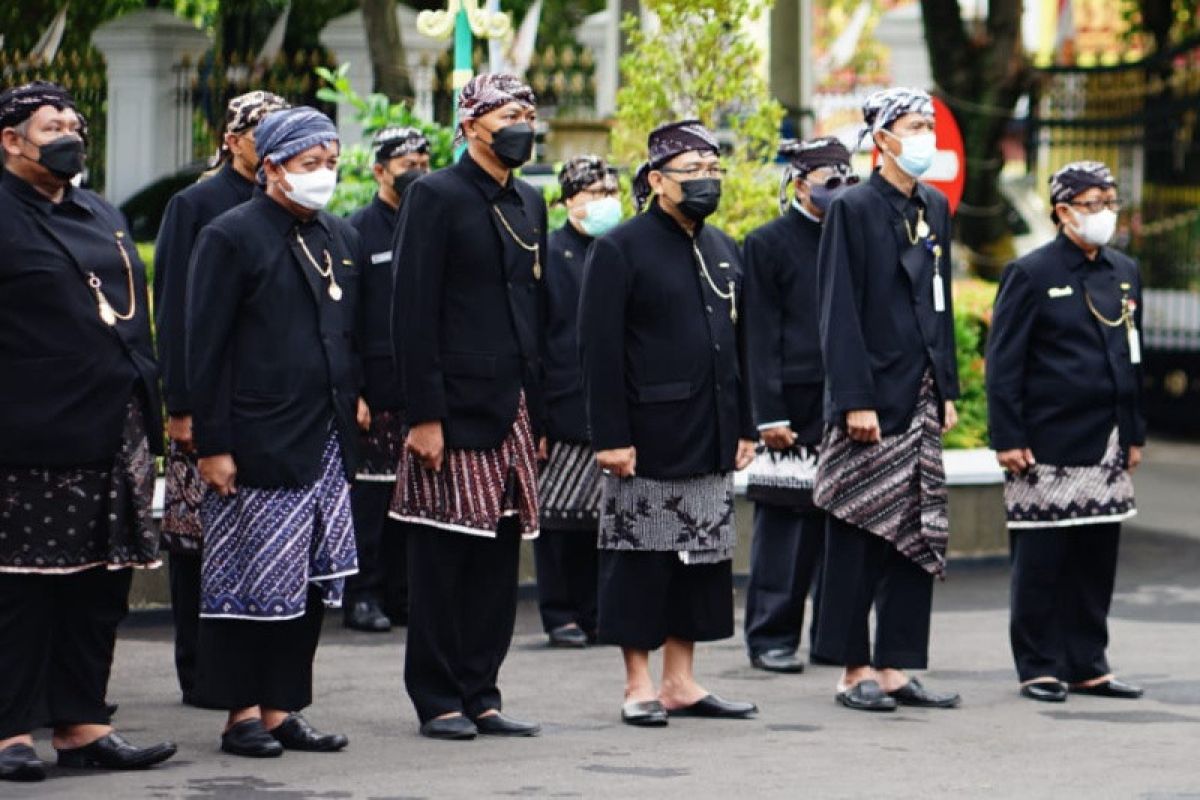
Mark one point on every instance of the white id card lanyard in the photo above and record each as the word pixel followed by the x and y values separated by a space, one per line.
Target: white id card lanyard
pixel 939 286
pixel 1135 344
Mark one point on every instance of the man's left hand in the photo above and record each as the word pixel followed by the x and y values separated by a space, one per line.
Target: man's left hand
pixel 951 417
pixel 745 453
pixel 1135 457
pixel 363 415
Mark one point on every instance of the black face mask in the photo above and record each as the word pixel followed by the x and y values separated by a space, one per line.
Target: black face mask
pixel 63 156
pixel 401 182
pixel 513 145
pixel 701 196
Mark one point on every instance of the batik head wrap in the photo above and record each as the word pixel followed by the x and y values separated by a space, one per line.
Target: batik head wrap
pixel 392 143
pixel 664 143
pixel 804 157
pixel 1076 178
pixel 18 103
pixel 487 92
pixel 244 112
pixel 581 172
pixel 287 132
pixel 888 105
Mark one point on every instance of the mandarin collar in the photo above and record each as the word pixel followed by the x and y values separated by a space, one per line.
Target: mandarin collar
pixel 896 198
pixel 278 218
pixel 656 212
pixel 492 191
pixel 1074 257
pixel 26 192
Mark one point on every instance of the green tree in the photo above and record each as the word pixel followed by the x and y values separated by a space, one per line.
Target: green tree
pixel 700 63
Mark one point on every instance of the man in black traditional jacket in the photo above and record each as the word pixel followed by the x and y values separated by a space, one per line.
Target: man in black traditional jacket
pixel 569 485
pixel 380 589
pixel 787 387
pixel 466 326
pixel 1064 384
pixel 78 432
pixel 887 336
pixel 669 409
pixel 231 184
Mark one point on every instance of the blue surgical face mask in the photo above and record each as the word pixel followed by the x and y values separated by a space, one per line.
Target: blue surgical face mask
pixel 916 153
pixel 822 197
pixel 600 216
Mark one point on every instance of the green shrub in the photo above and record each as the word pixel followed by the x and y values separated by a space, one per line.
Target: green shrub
pixel 356 182
pixel 973 300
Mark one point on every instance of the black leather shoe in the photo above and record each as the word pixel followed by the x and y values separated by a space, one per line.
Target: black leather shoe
pixel 456 727
pixel 1045 691
pixel 1114 687
pixel 866 696
pixel 20 762
pixel 644 714
pixel 568 636
pixel 367 616
pixel 712 707
pixel 251 739
pixel 777 661
pixel 500 725
pixel 113 752
pixel 914 694
pixel 295 733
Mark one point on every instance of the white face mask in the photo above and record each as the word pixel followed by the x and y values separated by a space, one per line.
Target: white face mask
pixel 916 152
pixel 312 190
pixel 1096 229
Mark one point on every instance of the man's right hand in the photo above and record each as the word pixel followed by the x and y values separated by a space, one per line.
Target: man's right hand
pixel 863 425
pixel 620 462
pixel 425 441
pixel 219 473
pixel 780 437
pixel 179 430
pixel 1016 460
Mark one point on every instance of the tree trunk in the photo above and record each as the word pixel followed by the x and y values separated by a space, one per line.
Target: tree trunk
pixel 387 51
pixel 980 78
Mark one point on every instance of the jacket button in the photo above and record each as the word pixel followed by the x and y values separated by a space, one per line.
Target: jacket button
pixel 708 309
pixel 717 347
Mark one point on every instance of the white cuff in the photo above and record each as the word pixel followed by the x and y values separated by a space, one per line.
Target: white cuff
pixel 783 423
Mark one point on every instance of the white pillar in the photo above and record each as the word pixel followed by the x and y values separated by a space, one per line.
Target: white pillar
pixel 600 32
pixel 149 128
pixel 344 35
pixel 421 53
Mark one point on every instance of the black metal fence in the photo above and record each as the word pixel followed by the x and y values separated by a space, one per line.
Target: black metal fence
pixel 204 88
pixel 1143 120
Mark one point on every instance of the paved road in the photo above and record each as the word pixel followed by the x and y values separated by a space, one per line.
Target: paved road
pixel 997 745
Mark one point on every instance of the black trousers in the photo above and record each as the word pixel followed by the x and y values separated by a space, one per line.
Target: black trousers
pixel 461 612
pixel 566 578
pixel 247 663
pixel 184 578
pixel 382 551
pixel 863 571
pixel 785 557
pixel 57 636
pixel 647 597
pixel 1062 585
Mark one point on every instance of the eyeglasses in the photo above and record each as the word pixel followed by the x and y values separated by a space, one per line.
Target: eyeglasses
pixel 835 181
pixel 697 171
pixel 1096 206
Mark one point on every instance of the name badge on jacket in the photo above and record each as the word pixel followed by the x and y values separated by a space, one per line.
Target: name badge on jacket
pixel 1060 291
pixel 381 258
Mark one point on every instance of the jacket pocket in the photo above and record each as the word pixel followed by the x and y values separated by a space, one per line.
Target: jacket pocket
pixel 664 392
pixel 469 365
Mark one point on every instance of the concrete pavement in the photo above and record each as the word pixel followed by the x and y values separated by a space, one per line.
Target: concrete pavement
pixel 802 745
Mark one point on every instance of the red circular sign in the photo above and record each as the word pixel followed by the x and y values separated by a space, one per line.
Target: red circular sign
pixel 949 170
